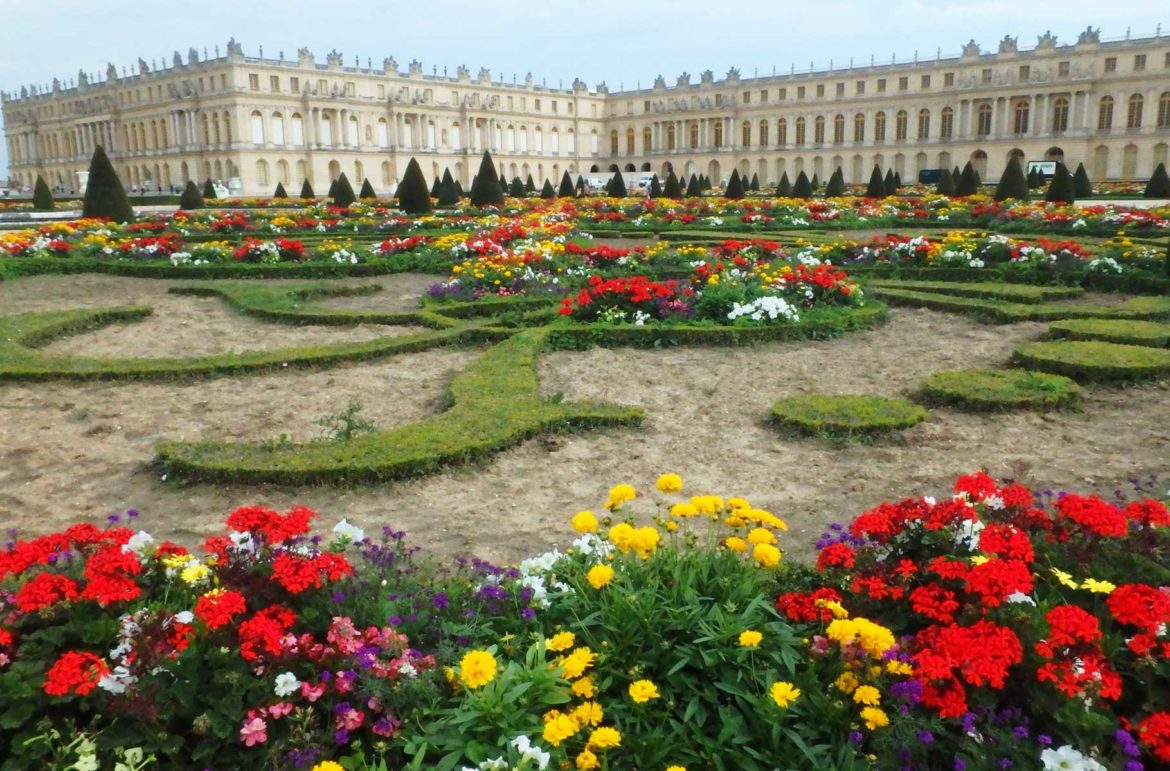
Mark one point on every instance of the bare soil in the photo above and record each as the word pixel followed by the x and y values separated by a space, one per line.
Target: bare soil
pixel 71 452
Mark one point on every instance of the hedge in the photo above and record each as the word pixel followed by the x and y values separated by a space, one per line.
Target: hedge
pixel 989 389
pixel 846 416
pixel 1148 333
pixel 1020 293
pixel 1087 360
pixel 1006 313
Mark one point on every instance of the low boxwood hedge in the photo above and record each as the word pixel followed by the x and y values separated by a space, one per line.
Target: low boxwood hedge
pixel 991 389
pixel 999 312
pixel 1089 360
pixel 1126 332
pixel 846 416
pixel 1019 293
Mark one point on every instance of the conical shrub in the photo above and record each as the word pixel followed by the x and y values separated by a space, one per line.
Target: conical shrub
pixel 784 186
pixel 1082 185
pixel 968 181
pixel 655 190
pixel 617 186
pixel 754 185
pixel 209 190
pixel 307 190
pixel 1159 184
pixel 734 186
pixel 566 187
pixel 890 184
pixel 694 189
pixel 280 191
pixel 877 186
pixel 42 199
pixel 547 191
pixel 1060 189
pixel 367 193
pixel 672 189
pixel 1013 183
pixel 816 182
pixel 343 194
pixel 332 190
pixel 897 181
pixel 412 194
pixel 191 199
pixel 516 188
pixel 803 187
pixel 448 192
pixel 104 195
pixel 946 183
pixel 486 190
pixel 435 189
pixel 529 185
pixel 836 186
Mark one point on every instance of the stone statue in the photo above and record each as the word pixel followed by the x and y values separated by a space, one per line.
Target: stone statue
pixel 24 92
pixel 415 67
pixel 333 58
pixel 143 67
pixel 462 72
pixel 1047 40
pixel 1008 45
pixel 192 56
pixel 684 79
pixel 1089 36
pixel 177 61
pixel 528 80
pixel 485 75
pixel 602 88
pixel 390 64
pixel 56 84
pixel 971 48
pixel 111 71
pixel 707 76
pixel 234 48
pixel 659 82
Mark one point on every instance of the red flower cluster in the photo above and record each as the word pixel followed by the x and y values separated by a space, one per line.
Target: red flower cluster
pixel 45 589
pixel 271 527
pixel 76 671
pixel 263 633
pixel 624 293
pixel 1094 515
pixel 808 606
pixel 947 656
pixel 218 607
pixel 1154 732
pixel 396 245
pixel 296 573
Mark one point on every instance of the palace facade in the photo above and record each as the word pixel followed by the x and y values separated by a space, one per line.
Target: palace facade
pixel 255 121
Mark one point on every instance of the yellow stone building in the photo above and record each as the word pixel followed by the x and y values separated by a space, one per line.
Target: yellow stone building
pixel 254 121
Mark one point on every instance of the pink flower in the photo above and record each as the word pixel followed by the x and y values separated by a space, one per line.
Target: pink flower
pixel 280 710
pixel 351 719
pixel 255 731
pixel 312 692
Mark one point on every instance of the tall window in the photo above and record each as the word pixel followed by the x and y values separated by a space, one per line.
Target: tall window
pixel 838 129
pixel 1105 113
pixel 1164 110
pixel 1133 118
pixel 647 139
pixel 900 121
pixel 1060 115
pixel 1020 117
pixel 746 131
pixel 983 127
pixel 718 132
pixel 879 127
pixel 923 124
pixel 694 136
pixel 669 136
pixel 859 128
pixel 819 130
pixel 629 141
pixel 799 132
pixel 946 127
pixel 613 142
pixel 782 132
pixel 763 133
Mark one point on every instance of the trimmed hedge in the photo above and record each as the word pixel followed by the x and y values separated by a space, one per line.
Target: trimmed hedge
pixel 999 312
pixel 496 403
pixel 1147 333
pixel 846 416
pixel 1087 361
pixel 1020 293
pixel 991 389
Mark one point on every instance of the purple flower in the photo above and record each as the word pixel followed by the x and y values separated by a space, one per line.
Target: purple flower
pixel 855 737
pixel 969 722
pixel 960 764
pixel 338 597
pixel 926 737
pixel 132 513
pixel 1020 732
pixel 113 519
pixel 1044 740
pixel 341 736
pixel 1134 765
pixel 527 613
pixel 440 600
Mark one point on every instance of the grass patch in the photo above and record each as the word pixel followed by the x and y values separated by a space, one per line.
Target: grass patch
pixel 1017 293
pixel 999 312
pixel 495 403
pixel 1148 333
pixel 1088 360
pixel 846 417
pixel 991 389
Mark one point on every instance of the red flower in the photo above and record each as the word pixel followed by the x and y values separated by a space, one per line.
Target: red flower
pixel 1094 515
pixel 45 589
pixel 801 606
pixel 1140 605
pixel 216 608
pixel 1069 625
pixel 1006 541
pixel 1150 513
pixel 1154 732
pixel 934 602
pixel 263 633
pixel 76 671
pixel 996 579
pixel 272 526
pixel 836 555
pixel 977 486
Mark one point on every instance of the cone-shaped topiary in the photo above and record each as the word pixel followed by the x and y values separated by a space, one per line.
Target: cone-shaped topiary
pixel 343 194
pixel 897 181
pixel 836 186
pixel 1166 262
pixel 755 183
pixel 968 183
pixel 280 191
pixel 956 174
pixel 1060 189
pixel 579 189
pixel 704 182
pixel 734 186
pixel 367 192
pixel 876 187
pixel 42 195
pixel 1159 184
pixel 459 189
pixel 307 190
pixel 946 183
pixel 448 192
pixel 784 186
pixel 890 184
pixel 803 187
pixel 672 189
pixel 566 187
pixel 529 185
pixel 655 190
pixel 435 187
pixel 694 189
pixel 332 190
pixel 413 195
pixel 1013 183
pixel 516 189
pixel 617 186
pixel 1031 179
pixel 191 199
pixel 547 191
pixel 816 182
pixel 1082 185
pixel 104 194
pixel 208 190
pixel 486 190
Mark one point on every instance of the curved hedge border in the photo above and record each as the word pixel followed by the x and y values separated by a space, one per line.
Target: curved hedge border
pixel 1027 294
pixel 991 389
pixel 846 416
pixel 1148 333
pixel 496 403
pixel 997 312
pixel 1094 360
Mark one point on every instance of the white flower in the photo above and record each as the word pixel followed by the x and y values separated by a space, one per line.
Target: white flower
pixel 530 752
pixel 184 617
pixel 968 533
pixel 286 684
pixel 138 542
pixel 408 670
pixel 117 680
pixel 345 530
pixel 1017 597
pixel 1067 759
pixel 86 763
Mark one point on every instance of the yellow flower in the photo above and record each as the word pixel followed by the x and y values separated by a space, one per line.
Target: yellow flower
pixel 735 543
pixel 193 574
pixel 874 638
pixel 836 608
pixel 599 576
pixel 874 718
pixel 895 667
pixel 676 768
pixel 669 483
pixel 477 668
pixel 577 662
pixel 621 534
pixel 584 522
pixel 846 682
pixel 1098 587
pixel 558 726
pixel 979 559
pixel 584 688
pixel 1064 578
pixel 784 693
pixel 684 509
pixel 708 504
pixel 604 738
pixel 737 503
pixel 586 760
pixel 867 694
pixel 761 535
pixel 766 554
pixel 619 495
pixel 328 765
pixel 561 641
pixel 589 713
pixel 645 541
pixel 750 638
pixel 642 691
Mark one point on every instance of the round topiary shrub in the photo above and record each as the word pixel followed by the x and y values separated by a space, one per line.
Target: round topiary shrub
pixel 1094 360
pixel 846 416
pixel 1148 333
pixel 993 389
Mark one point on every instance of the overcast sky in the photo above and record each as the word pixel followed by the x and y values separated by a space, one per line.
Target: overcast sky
pixel 621 42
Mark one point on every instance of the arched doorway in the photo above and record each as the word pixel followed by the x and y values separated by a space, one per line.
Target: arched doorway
pixel 979 162
pixel 1054 154
pixel 713 173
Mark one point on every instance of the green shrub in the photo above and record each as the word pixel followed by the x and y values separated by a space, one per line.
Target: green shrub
pixel 1019 293
pixel 617 186
pixel 1000 312
pixel 547 191
pixel 412 194
pixel 784 186
pixel 209 190
pixel 846 416
pixel 367 193
pixel 734 186
pixel 754 186
pixel 307 190
pixel 672 189
pixel 42 199
pixel 1087 361
pixel 1082 186
pixel 1126 332
pixel 876 187
pixel 529 185
pixel 694 189
pixel 1060 189
pixel 836 186
pixel 655 188
pixel 1013 183
pixel 803 187
pixel 104 195
pixel 448 193
pixel 566 187
pixel 343 194
pixel 1159 184
pixel 280 193
pixel 191 199
pixel 890 183
pixel 516 188
pixel 990 389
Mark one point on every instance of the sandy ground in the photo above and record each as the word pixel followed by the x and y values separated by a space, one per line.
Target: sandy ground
pixel 73 452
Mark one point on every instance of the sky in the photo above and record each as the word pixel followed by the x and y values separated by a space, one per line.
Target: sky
pixel 622 42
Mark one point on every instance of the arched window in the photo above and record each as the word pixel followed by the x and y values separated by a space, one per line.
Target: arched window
pixel 1020 117
pixel 647 139
pixel 763 133
pixel 900 122
pixel 799 132
pixel 669 136
pixel 262 172
pixel 1133 119
pixel 1105 113
pixel 838 129
pixel 819 130
pixel 1060 115
pixel 923 124
pixel 746 134
pixel 554 141
pixel 983 124
pixel 257 128
pixel 859 128
pixel 282 172
pixel 946 123
pixel 782 132
pixel 630 141
pixel 571 143
pixel 510 139
pixel 297 125
pixel 1164 110
pixel 384 135
pixel 879 127
pixel 277 129
pixel 718 132
pixel 613 142
pixel 694 135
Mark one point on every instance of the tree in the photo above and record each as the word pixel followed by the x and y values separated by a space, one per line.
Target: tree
pixel 784 186
pixel 617 186
pixel 547 191
pixel 565 190
pixel 655 188
pixel 435 187
pixel 529 185
pixel 672 189
pixel 1166 262
pixel 968 183
pixel 816 182
pixel 579 189
pixel 836 186
pixel 1060 189
pixel 104 194
pixel 307 190
pixel 694 189
pixel 734 186
pixel 448 192
pixel 704 182
pixel 1033 174
pixel 890 183
pixel 486 190
pixel 413 195
pixel 516 189
pixel 755 183
pixel 956 174
pixel 208 190
pixel 42 196
pixel 876 187
pixel 367 192
pixel 191 198
pixel 280 191
pixel 459 188
pixel 343 194
pixel 897 181
pixel 1013 183
pixel 1159 184
pixel 803 187
pixel 332 190
pixel 946 183
pixel 1082 185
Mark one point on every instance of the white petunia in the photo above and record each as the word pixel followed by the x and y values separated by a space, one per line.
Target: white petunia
pixel 286 684
pixel 138 542
pixel 1067 759
pixel 345 530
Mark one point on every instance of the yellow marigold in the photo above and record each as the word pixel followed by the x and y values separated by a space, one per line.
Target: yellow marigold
pixel 328 765
pixel 735 543
pixel 599 575
pixel 979 559
pixel 642 691
pixel 621 535
pixel 561 641
pixel 669 483
pixel 194 573
pixel 750 638
pixel 708 504
pixel 584 688
pixel 784 693
pixel 584 522
pixel 558 726
pixel 619 495
pixel 589 713
pixel 895 667
pixel 868 695
pixel 766 554
pixel 676 768
pixel 586 760
pixel 737 503
pixel 734 521
pixel 1064 578
pixel 874 718
pixel 684 509
pixel 847 682
pixel 577 662
pixel 874 638
pixel 477 668
pixel 645 541
pixel 834 607
pixel 604 738
pixel 761 535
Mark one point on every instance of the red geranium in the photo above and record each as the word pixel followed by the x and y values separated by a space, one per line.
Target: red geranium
pixel 76 671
